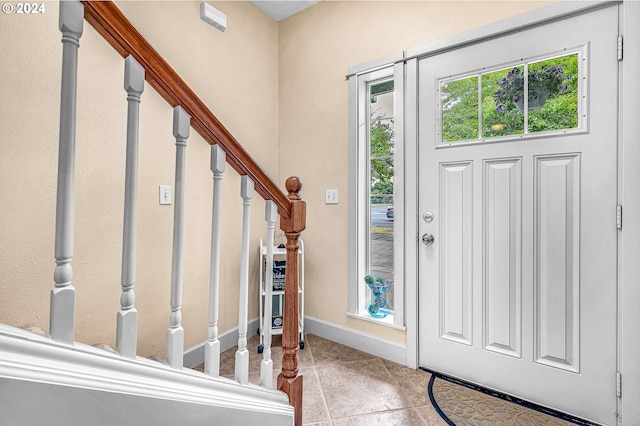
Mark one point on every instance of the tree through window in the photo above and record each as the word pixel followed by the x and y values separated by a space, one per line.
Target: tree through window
pixel 492 104
pixel 381 178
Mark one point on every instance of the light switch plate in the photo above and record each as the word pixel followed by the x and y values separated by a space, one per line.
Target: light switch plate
pixel 331 196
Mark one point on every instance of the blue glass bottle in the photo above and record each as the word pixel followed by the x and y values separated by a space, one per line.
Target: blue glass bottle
pixel 377 306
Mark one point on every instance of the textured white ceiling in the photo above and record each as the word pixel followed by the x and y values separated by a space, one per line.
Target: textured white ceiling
pixel 280 10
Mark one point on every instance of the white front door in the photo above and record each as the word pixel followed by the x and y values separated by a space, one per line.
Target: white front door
pixel 518 290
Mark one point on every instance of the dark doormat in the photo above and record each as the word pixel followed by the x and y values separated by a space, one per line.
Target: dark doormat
pixel 460 403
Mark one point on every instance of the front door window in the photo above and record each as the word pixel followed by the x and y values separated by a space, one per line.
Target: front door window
pixel 492 104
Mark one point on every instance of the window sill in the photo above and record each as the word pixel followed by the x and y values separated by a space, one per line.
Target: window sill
pixel 387 321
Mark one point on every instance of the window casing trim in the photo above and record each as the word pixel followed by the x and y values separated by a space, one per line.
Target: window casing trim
pixel 359 193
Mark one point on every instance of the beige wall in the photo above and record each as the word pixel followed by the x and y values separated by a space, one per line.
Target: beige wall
pixel 316 48
pixel 234 73
pixel 279 88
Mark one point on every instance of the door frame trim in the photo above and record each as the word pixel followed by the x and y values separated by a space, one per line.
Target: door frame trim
pixel 518 23
pixel 629 197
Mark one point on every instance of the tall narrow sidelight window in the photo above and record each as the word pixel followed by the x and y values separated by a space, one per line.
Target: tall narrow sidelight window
pixel 376 202
pixel 381 179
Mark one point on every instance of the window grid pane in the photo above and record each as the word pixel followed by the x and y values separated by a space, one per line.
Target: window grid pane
pixel 459 105
pixel 553 94
pixel 500 113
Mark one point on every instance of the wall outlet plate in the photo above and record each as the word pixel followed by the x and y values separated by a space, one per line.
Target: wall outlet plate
pixel 166 194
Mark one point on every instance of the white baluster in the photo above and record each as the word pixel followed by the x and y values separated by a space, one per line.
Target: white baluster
pixel 62 309
pixel 266 367
pixel 212 346
pixel 127 319
pixel 175 334
pixel 242 354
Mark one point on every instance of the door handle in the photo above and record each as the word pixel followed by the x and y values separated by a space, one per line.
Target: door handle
pixel 428 238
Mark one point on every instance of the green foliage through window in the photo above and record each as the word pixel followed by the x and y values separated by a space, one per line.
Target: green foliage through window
pixel 381 138
pixel 459 109
pixel 552 100
pixel 561 110
pixel 509 120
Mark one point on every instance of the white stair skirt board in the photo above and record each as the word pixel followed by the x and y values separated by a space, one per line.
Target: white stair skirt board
pixel 81 385
pixel 356 340
pixel 194 356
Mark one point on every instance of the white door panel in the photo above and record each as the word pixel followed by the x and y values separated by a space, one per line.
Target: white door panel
pixel 518 290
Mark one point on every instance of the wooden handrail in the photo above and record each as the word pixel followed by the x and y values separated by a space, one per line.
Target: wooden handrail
pixel 113 26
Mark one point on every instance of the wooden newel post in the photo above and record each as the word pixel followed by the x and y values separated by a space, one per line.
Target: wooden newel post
pixel 289 381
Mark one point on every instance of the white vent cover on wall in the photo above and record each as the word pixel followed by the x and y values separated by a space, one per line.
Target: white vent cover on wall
pixel 212 16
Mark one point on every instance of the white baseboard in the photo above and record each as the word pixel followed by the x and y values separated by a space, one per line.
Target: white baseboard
pixel 194 356
pixel 356 340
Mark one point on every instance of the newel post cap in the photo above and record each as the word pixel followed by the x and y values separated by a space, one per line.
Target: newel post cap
pixel 293 185
pixel 298 214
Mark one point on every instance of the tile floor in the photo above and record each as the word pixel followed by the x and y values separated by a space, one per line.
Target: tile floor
pixel 347 387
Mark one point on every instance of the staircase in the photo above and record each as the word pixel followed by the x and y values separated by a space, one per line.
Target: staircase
pixel 46 382
pixel 53 379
